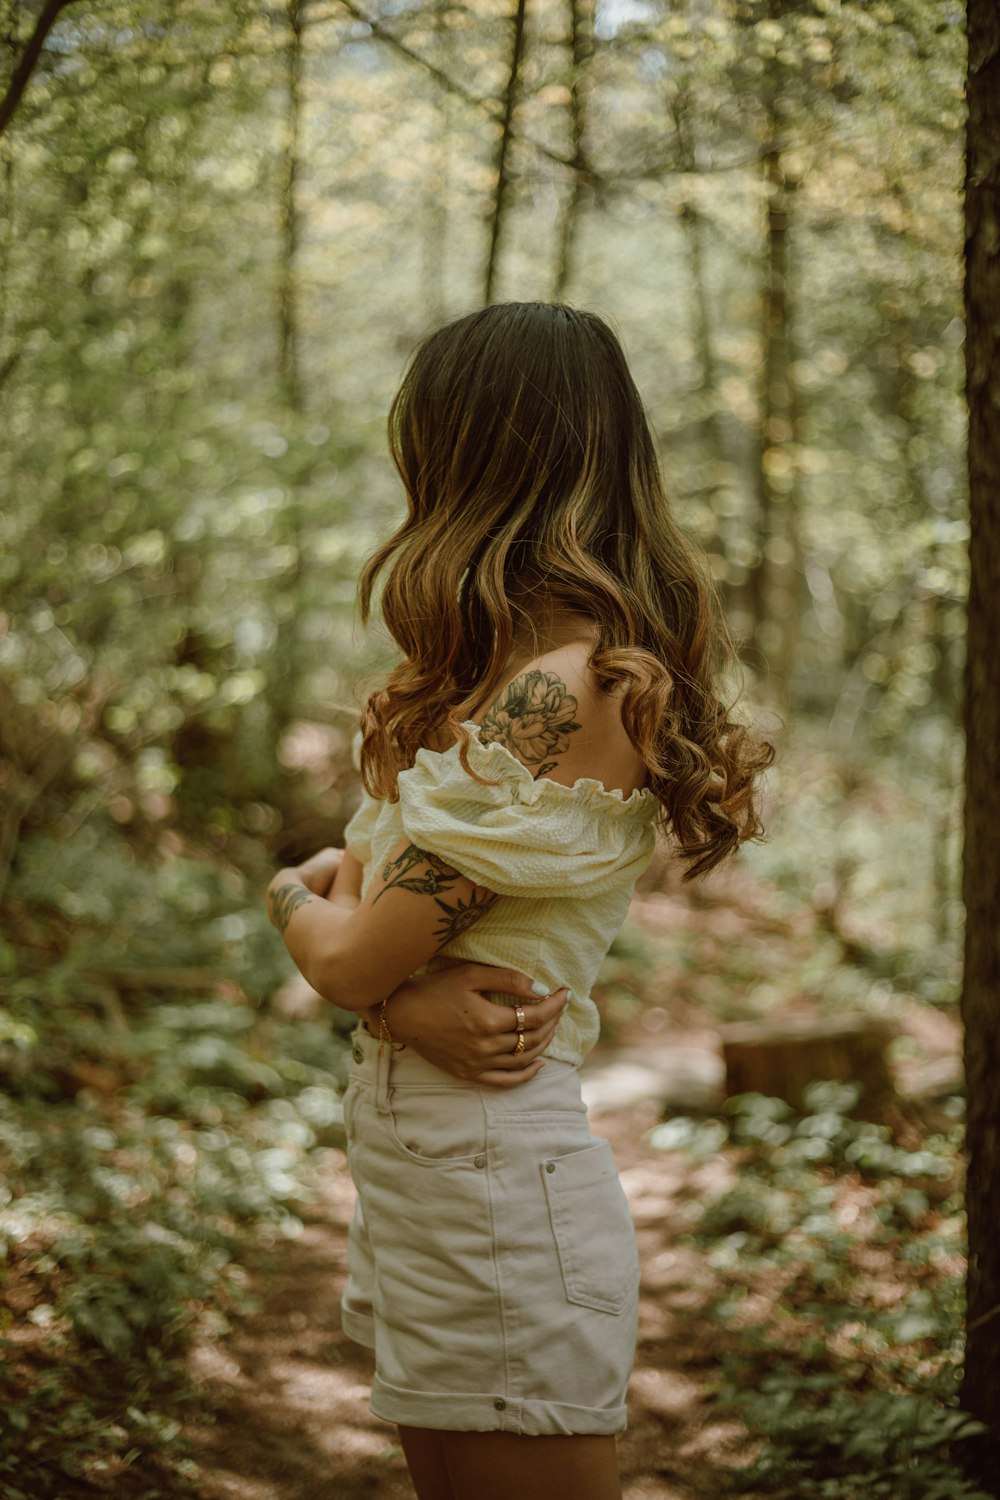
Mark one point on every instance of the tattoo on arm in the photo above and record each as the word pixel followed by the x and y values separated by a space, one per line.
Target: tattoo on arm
pixel 533 717
pixel 286 900
pixel 438 877
pixel 462 916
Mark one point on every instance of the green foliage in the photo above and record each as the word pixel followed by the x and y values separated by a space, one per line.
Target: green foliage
pixel 200 334
pixel 124 911
pixel 845 1447
pixel 147 1152
pixel 852 1391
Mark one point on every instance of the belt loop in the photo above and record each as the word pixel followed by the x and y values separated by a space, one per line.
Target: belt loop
pixel 383 1062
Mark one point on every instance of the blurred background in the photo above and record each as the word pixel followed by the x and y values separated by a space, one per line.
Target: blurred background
pixel 225 227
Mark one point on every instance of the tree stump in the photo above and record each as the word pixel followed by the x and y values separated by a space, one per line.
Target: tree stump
pixel 779 1058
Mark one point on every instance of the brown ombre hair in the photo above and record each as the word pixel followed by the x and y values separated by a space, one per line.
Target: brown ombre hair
pixel 528 463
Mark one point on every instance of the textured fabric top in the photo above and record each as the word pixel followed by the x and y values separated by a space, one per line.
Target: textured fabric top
pixel 566 858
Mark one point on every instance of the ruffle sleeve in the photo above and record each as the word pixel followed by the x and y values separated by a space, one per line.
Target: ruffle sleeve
pixel 360 826
pixel 524 837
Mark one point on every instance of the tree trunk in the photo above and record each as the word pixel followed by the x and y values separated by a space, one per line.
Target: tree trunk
pixel 289 372
pixel 773 584
pixel 502 193
pixel 284 682
pixel 435 235
pixel 981 875
pixel 580 36
pixel 26 63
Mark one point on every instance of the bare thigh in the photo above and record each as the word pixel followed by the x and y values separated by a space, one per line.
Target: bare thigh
pixel 497 1465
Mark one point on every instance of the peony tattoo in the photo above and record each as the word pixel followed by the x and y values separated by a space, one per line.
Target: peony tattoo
pixel 533 719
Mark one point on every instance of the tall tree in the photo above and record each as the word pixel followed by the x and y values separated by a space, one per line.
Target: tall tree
pixel 502 190
pixel 773 581
pixel 581 27
pixel 981 883
pixel 28 60
pixel 289 372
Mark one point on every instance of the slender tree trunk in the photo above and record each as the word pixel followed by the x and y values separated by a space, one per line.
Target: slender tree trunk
pixel 434 247
pixel 10 352
pixel 26 63
pixel 702 332
pixel 289 372
pixel 502 193
pixel 773 585
pixel 981 876
pixel 284 684
pixel 581 43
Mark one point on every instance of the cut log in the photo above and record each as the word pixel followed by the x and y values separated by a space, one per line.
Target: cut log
pixel 780 1058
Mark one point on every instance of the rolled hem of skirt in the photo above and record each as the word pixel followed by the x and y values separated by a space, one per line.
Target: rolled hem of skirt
pixel 358 1326
pixel 487 1412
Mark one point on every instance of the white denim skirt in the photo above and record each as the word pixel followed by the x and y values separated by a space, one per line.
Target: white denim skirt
pixel 492 1257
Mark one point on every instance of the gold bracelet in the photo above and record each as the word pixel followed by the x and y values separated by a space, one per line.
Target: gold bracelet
pixel 384 1034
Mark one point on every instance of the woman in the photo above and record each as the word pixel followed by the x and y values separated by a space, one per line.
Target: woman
pixel 554 704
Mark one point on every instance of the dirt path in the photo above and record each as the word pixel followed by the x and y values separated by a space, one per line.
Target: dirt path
pixel 291 1392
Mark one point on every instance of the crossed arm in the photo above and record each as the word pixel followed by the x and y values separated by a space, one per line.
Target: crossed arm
pixel 358 953
pixel 445 1015
pixel 357 957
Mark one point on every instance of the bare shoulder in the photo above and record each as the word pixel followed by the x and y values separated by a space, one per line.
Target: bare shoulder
pixel 554 717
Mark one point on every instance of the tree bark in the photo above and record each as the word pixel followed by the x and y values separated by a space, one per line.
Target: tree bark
pixel 289 371
pixel 502 193
pixel 981 874
pixel 283 685
pixel 773 591
pixel 580 35
pixel 435 237
pixel 29 57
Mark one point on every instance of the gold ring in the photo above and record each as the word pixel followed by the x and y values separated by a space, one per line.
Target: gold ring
pixel 519 1018
pixel 520 1043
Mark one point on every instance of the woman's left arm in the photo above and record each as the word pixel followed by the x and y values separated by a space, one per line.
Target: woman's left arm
pixel 356 958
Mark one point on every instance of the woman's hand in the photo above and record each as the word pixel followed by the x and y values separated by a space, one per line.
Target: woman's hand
pixel 445 1017
pixel 318 872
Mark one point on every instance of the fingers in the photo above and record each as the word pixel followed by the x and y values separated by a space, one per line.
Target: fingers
pixel 508 1080
pixel 543 1012
pixel 501 981
pixel 513 1061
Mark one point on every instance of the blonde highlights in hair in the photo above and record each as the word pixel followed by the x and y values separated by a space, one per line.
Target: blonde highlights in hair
pixel 528 464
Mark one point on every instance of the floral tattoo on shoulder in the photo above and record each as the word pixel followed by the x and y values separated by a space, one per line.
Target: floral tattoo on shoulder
pixel 533 718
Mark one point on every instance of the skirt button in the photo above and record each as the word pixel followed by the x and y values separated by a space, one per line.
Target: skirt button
pixel 481 1162
pixel 500 1404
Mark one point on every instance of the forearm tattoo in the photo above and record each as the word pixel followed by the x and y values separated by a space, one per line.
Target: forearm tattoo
pixel 437 877
pixel 285 900
pixel 533 717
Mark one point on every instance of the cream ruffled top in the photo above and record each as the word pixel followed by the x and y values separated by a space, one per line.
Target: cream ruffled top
pixel 565 858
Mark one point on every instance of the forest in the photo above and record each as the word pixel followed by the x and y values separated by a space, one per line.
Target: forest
pixel 225 226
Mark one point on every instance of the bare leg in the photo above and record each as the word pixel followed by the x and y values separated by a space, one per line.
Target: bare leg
pixel 424 1450
pixel 498 1465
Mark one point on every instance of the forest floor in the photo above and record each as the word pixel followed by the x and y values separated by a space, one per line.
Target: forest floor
pixel 286 1412
pixel 290 1391
pixel 791 1278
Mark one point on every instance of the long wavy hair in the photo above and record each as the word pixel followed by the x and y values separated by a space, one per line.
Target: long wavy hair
pixel 529 464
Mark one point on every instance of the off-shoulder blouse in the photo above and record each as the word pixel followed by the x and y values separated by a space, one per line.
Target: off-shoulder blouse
pixel 564 860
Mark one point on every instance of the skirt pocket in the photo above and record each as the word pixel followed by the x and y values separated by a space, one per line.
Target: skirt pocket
pixel 593 1228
